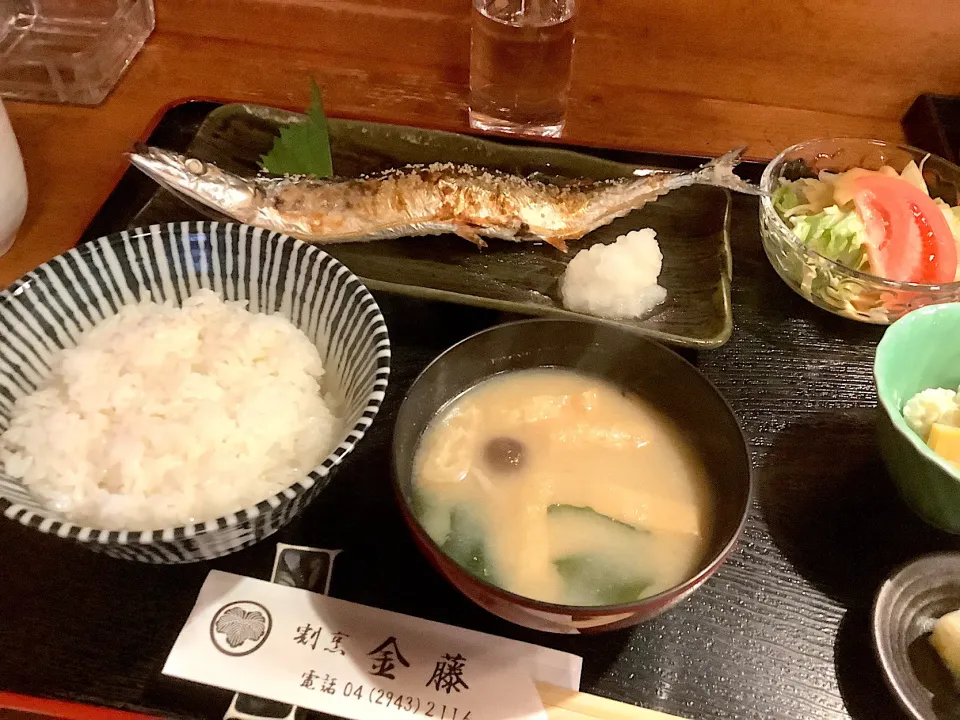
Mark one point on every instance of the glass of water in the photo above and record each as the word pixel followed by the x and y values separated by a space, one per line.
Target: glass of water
pixel 520 52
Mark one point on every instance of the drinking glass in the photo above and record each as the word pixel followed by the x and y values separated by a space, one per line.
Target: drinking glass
pixel 520 52
pixel 13 184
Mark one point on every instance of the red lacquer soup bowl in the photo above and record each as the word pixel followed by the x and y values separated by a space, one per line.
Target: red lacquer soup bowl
pixel 639 366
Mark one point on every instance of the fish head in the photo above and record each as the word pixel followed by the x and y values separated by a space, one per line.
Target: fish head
pixel 202 182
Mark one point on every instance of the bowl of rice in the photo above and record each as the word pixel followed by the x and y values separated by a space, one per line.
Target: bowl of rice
pixel 176 393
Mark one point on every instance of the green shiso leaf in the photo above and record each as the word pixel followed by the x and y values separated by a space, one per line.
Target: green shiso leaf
pixel 303 148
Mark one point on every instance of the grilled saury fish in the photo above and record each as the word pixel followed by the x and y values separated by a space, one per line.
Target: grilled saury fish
pixel 426 199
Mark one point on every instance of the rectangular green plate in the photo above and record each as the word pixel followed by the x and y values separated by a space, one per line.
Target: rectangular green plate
pixel 691 224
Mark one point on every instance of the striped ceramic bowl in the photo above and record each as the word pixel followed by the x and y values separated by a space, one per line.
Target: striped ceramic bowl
pixel 48 308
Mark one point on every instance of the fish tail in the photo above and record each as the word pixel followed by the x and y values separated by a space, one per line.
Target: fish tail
pixel 719 172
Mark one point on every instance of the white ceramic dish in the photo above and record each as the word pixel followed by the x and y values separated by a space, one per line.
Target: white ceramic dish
pixel 13 184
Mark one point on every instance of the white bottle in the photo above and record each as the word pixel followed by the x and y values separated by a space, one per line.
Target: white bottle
pixel 13 184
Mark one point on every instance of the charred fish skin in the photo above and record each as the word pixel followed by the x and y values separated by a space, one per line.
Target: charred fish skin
pixel 417 200
pixel 439 198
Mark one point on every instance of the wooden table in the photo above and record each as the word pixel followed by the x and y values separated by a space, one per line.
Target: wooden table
pixel 684 77
pixel 672 77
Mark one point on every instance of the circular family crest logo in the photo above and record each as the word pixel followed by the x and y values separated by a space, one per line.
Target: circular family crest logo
pixel 240 627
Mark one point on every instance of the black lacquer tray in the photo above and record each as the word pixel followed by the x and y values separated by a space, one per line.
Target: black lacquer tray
pixel 782 631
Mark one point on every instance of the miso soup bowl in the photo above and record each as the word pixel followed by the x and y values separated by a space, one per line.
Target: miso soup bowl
pixel 638 365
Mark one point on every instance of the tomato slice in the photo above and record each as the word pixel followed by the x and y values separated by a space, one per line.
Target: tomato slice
pixel 908 239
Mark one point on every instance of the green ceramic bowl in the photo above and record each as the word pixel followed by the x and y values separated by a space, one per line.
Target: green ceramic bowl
pixel 919 351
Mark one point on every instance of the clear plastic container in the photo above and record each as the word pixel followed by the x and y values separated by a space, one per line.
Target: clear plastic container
pixel 69 51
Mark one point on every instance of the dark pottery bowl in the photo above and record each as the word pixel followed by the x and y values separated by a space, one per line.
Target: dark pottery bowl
pixel 907 605
pixel 639 365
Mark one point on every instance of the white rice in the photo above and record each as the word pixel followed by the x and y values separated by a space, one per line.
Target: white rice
pixel 164 416
pixel 618 280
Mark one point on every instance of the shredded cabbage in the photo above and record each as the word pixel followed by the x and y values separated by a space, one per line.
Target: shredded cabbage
pixel 834 233
pixel 952 214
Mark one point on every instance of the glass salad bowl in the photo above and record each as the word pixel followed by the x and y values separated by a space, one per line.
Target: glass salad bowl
pixel 829 284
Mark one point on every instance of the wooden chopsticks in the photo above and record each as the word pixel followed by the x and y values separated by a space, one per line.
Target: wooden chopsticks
pixel 560 704
pixel 563 704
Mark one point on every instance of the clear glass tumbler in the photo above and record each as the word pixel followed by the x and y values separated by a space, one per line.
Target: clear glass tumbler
pixel 520 53
pixel 69 51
